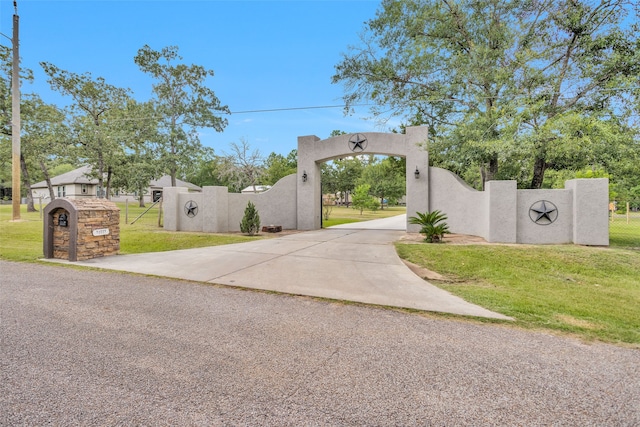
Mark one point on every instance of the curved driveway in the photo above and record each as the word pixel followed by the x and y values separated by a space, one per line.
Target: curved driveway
pixel 353 262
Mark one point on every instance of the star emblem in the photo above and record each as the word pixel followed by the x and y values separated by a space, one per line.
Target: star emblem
pixel 543 212
pixel 191 208
pixel 357 142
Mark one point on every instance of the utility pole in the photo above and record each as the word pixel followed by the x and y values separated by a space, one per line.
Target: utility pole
pixel 15 117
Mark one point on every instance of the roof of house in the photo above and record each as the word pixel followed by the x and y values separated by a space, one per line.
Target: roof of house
pixel 165 181
pixel 79 176
pixel 256 189
pixel 76 176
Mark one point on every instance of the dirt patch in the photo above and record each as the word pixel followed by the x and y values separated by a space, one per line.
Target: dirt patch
pixel 424 272
pixel 580 323
pixel 451 239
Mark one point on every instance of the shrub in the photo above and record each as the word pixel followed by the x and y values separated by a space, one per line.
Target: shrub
pixel 251 221
pixel 433 225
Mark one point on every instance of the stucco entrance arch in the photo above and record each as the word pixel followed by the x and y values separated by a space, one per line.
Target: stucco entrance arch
pixel 312 152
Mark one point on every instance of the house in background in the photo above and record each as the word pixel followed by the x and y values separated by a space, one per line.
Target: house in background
pixel 256 189
pixel 76 184
pixel 154 192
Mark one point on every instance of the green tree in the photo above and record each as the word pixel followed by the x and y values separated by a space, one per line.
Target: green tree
pixel 209 171
pixel 137 133
pixel 498 81
pixel 387 180
pixel 26 75
pixel 346 174
pixel 183 104
pixel 277 166
pixel 93 132
pixel 45 141
pixel 250 223
pixel 6 158
pixel 362 200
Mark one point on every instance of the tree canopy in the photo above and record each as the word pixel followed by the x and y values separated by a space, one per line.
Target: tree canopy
pixel 183 104
pixel 513 88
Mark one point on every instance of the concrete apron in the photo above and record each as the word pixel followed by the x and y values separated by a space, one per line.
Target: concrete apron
pixel 343 264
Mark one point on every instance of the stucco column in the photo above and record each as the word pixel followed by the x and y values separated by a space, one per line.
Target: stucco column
pixel 308 190
pixel 590 211
pixel 170 208
pixel 417 188
pixel 215 209
pixel 503 211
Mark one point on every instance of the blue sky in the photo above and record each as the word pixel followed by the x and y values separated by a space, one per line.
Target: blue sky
pixel 265 55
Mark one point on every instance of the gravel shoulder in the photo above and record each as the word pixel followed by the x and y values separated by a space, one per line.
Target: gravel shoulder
pixel 84 347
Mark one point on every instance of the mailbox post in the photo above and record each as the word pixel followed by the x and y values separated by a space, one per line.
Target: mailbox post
pixel 78 230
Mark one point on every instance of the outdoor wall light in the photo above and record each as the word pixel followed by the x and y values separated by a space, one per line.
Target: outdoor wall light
pixel 417 173
pixel 304 176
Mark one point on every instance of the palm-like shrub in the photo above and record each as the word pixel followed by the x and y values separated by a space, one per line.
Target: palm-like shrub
pixel 433 226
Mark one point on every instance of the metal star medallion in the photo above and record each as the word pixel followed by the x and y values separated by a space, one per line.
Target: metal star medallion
pixel 357 143
pixel 191 208
pixel 543 212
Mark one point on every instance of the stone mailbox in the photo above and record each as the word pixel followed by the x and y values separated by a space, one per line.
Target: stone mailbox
pixel 77 230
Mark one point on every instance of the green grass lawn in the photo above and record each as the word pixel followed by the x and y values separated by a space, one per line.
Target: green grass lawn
pixel 625 232
pixel 22 240
pixel 591 292
pixel 343 215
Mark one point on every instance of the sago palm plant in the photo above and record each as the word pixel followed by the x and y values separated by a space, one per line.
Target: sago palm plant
pixel 433 225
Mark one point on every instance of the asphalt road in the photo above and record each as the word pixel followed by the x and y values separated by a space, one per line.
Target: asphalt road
pixel 100 348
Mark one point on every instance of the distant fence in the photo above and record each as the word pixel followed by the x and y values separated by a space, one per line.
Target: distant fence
pixel 624 225
pixel 149 215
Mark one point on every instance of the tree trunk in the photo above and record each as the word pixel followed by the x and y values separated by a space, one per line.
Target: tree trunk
pixel 100 177
pixel 27 184
pixel 173 167
pixel 141 197
pixel 47 178
pixel 539 167
pixel 108 190
pixel 493 168
pixel 489 171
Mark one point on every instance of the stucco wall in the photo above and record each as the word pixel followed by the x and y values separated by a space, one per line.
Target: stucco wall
pixel 502 214
pixel 560 231
pixel 466 208
pixel 219 211
pixel 276 206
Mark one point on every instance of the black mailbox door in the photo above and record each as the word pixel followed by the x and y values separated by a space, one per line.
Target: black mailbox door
pixel 63 220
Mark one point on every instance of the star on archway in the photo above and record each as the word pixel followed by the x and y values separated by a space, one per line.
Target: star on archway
pixel 357 143
pixel 191 208
pixel 543 212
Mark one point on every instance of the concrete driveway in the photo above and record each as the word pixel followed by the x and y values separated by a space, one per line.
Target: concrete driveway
pixel 344 263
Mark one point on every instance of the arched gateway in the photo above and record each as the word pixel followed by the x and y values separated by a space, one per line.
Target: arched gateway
pixel 502 213
pixel 312 152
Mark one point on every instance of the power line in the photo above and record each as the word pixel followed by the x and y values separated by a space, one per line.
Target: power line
pixel 317 107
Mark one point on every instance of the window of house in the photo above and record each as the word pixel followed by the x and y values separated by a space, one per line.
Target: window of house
pixel 62 191
pixel 84 188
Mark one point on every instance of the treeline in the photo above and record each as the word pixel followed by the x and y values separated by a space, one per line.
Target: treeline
pixel 534 91
pixel 126 142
